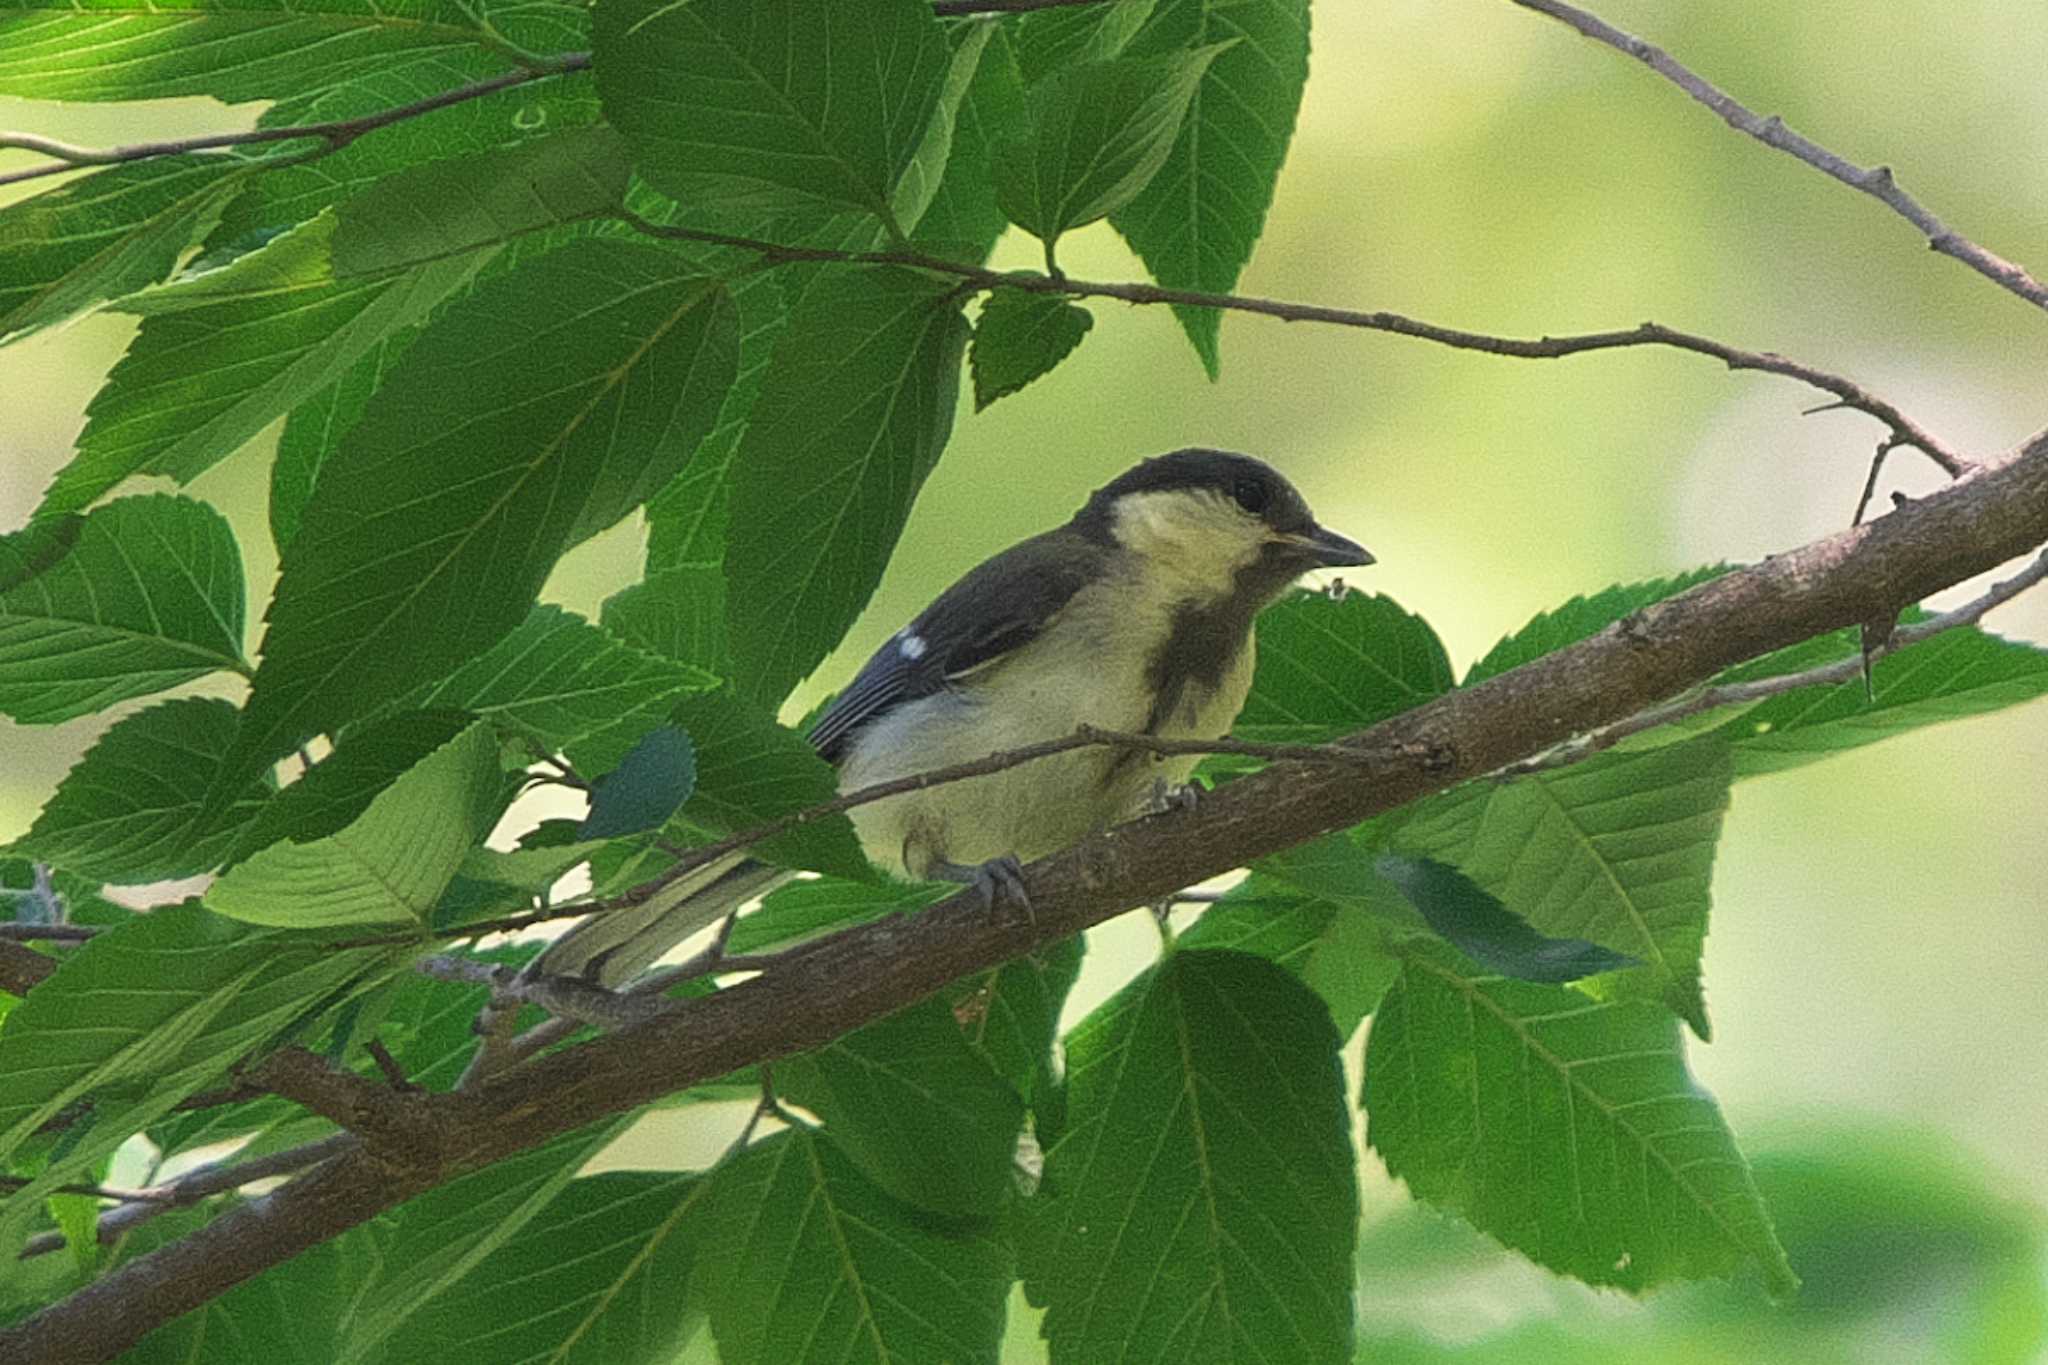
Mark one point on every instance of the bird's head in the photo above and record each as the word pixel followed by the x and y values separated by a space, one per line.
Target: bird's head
pixel 1224 523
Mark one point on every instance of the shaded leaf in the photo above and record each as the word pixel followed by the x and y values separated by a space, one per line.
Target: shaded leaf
pixel 920 182
pixel 733 104
pixel 1195 222
pixel 1488 932
pixel 804 909
pixel 135 597
pixel 963 220
pixel 143 1015
pixel 1020 337
pixel 851 418
pixel 129 811
pixel 445 208
pixel 535 412
pixel 569 685
pixel 1333 945
pixel 1013 1013
pixel 1568 1128
pixel 656 776
pixel 104 235
pixel 1203 1205
pixel 595 1277
pixel 1618 850
pixel 1048 39
pixel 676 613
pixel 751 770
pixel 1330 667
pixel 1097 134
pixel 803 1259
pixel 390 864
pixel 915 1107
pixel 224 353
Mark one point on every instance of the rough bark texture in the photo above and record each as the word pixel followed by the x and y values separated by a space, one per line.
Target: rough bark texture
pixel 419 1141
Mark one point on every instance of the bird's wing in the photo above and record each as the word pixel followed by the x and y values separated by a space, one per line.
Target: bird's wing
pixel 996 608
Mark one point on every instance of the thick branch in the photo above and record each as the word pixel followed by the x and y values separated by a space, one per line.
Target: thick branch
pixel 1847 393
pixel 1875 181
pixel 864 973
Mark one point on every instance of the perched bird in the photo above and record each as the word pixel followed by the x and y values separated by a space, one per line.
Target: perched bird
pixel 1136 615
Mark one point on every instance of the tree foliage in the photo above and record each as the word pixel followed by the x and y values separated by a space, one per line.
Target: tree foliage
pixel 707 284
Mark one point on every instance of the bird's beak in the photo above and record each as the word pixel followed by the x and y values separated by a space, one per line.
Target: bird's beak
pixel 1328 550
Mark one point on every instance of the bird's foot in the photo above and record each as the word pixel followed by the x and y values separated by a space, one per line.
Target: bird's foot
pixel 997 879
pixel 1171 796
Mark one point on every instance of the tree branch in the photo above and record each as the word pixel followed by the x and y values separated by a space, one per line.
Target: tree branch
pixel 21 969
pixel 337 133
pixel 1875 181
pixel 201 1182
pixel 864 973
pixel 1848 394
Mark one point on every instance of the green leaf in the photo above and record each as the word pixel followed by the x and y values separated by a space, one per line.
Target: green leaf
pixel 676 613
pixel 1204 1203
pixel 129 811
pixel 1488 932
pixel 1962 672
pixel 446 208
pixel 286 193
pixel 537 411
pixel 916 1108
pixel 654 778
pixel 1098 133
pixel 1618 849
pixel 390 864
pixel 568 685
pixel 1327 668
pixel 1048 39
pixel 334 792
pixel 234 49
pixel 289 1315
pixel 850 420
pixel 927 168
pixel 315 428
pixel 595 1278
pixel 1568 1128
pixel 1195 222
pixel 734 104
pixel 963 220
pixel 1012 1014
pixel 1020 337
pixel 138 596
pixel 686 520
pixel 802 1259
pixel 143 1015
pixel 104 235
pixel 431 1243
pixel 1581 618
pixel 228 351
pixel 750 770
pixel 804 909
pixel 1333 945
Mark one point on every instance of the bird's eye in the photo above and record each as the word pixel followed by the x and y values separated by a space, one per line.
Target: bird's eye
pixel 1251 494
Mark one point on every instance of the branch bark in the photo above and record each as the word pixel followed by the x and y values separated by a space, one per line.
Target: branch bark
pixel 862 974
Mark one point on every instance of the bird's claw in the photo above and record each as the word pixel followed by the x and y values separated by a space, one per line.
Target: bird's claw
pixel 1172 796
pixel 998 879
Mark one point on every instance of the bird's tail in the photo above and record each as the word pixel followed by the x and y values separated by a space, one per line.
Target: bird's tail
pixel 618 945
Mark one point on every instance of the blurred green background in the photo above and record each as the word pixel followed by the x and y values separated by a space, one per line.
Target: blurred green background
pixel 1880 931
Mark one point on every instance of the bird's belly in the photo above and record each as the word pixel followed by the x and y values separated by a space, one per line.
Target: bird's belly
pixel 1034 808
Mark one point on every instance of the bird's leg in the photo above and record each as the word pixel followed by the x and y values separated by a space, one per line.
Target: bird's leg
pixel 1171 796
pixel 998 878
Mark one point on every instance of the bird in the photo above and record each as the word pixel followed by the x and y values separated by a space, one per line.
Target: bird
pixel 1136 615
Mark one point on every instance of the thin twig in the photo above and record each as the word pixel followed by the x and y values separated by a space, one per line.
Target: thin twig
pixel 1875 181
pixel 1087 736
pixel 96 1191
pixel 201 1182
pixel 1848 393
pixel 1824 675
pixel 48 933
pixel 336 133
pixel 583 1001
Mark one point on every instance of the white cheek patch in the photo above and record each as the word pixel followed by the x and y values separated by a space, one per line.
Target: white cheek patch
pixel 910 646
